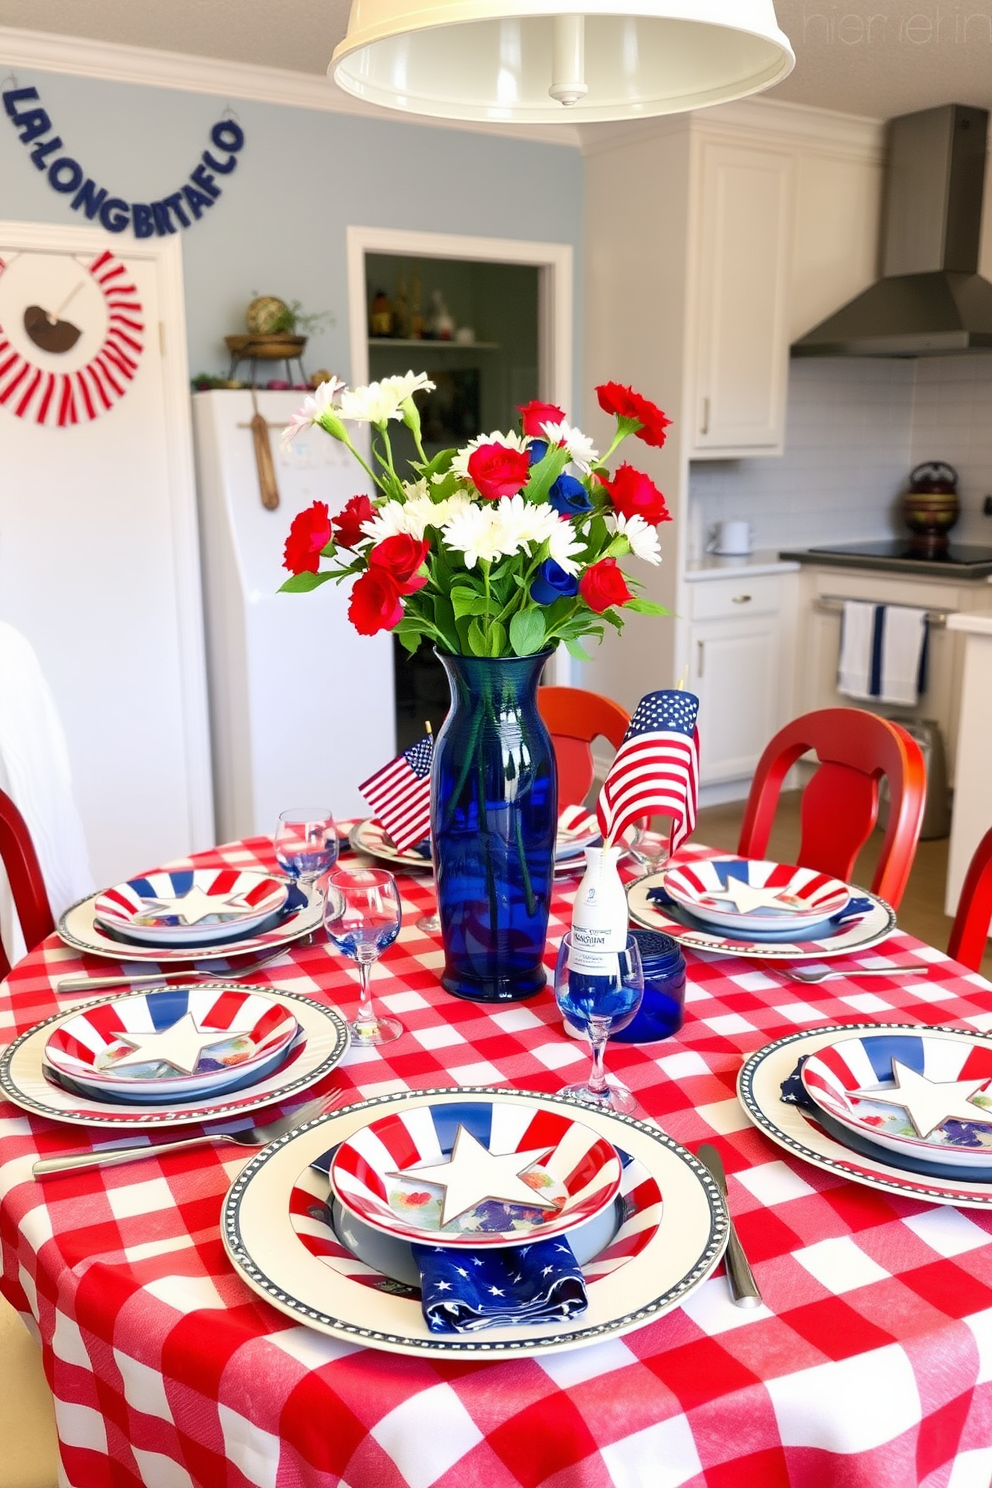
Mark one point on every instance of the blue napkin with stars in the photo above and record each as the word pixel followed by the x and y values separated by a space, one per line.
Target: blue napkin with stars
pixel 463 1291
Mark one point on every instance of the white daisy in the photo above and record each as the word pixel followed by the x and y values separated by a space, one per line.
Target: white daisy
pixel 581 450
pixel 374 404
pixel 562 546
pixel 310 410
pixel 474 533
pixel 519 522
pixel 459 465
pixel 643 538
pixel 415 488
pixel 390 519
pixel 421 512
pixel 405 386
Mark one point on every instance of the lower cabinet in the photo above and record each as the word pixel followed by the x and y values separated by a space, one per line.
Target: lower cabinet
pixel 736 669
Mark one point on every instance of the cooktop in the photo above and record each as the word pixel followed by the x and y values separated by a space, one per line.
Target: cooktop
pixel 895 553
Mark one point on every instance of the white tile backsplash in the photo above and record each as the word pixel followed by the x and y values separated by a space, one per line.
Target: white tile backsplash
pixel 952 420
pixel 848 450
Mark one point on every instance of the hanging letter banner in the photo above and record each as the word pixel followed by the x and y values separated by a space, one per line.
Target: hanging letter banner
pixel 146 219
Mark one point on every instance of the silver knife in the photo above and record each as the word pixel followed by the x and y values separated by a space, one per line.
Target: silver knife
pixel 740 1278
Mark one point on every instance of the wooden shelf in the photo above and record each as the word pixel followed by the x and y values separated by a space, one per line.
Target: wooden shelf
pixel 378 341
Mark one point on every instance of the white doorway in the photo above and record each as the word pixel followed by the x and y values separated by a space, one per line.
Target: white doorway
pixel 554 265
pixel 99 556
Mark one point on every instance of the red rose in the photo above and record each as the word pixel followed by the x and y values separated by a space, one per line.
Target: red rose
pixel 348 522
pixel 603 585
pixel 401 556
pixel 496 471
pixel 635 495
pixel 375 602
pixel 309 533
pixel 534 415
pixel 626 404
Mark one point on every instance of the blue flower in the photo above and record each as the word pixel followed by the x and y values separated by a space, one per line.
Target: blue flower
pixel 569 497
pixel 551 583
pixel 537 449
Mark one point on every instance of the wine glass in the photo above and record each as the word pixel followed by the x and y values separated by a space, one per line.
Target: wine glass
pixel 362 916
pixel 306 844
pixel 599 992
pixel 651 844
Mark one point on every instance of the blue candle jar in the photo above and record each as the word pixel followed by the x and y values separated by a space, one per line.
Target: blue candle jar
pixel 661 1011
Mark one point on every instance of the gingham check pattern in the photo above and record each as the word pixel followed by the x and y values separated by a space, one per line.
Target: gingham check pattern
pixel 869 1367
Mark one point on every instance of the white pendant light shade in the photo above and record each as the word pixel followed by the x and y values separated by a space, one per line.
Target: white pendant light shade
pixel 544 61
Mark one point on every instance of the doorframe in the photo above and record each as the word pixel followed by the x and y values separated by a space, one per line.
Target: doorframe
pixel 166 257
pixel 554 263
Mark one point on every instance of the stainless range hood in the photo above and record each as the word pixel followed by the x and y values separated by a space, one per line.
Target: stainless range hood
pixel 930 300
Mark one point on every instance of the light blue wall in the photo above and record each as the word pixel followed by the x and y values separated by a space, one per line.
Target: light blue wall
pixel 302 177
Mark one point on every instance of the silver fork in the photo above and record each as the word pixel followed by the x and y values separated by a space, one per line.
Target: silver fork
pixel 817 974
pixel 255 1136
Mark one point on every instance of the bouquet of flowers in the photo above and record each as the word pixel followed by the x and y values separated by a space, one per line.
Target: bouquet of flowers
pixel 502 548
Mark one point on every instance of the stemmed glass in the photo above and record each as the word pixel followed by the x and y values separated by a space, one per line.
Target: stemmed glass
pixel 651 844
pixel 362 916
pixel 306 844
pixel 599 992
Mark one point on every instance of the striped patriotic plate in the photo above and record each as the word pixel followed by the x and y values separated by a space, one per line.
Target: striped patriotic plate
pixel 190 906
pixel 600 1245
pixel 747 894
pixel 178 1043
pixel 661 1254
pixel 834 1078
pixel 479 1174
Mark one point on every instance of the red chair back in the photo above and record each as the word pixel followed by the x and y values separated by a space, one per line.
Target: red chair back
pixel 574 718
pixel 840 803
pixel 27 886
pixel 970 931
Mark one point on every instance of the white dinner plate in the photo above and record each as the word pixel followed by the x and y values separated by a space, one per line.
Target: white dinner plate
pixel 322 1044
pixel 190 906
pixel 783 895
pixel 759 1088
pixel 370 838
pixel 685 1244
pixel 78 928
pixel 868 930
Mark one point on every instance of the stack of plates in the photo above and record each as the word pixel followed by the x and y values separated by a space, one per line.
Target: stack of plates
pixel 191 914
pixel 172 1056
pixel 321 1222
pixel 894 1106
pixel 759 908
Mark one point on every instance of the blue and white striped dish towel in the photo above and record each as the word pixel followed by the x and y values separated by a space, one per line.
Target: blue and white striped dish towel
pixel 883 653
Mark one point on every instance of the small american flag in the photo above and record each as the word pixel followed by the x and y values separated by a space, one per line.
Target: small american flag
pixel 655 772
pixel 400 794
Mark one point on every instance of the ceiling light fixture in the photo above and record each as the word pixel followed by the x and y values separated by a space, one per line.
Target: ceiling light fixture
pixel 542 61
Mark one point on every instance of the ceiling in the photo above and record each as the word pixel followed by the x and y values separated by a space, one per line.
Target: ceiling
pixel 876 58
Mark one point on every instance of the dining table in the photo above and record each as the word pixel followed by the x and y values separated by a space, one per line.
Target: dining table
pixel 868 1363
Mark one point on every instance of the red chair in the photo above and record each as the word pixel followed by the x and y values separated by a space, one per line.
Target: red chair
pixel 27 887
pixel 970 931
pixel 574 718
pixel 840 803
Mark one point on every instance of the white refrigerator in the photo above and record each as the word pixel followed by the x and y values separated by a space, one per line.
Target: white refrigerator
pixel 301 706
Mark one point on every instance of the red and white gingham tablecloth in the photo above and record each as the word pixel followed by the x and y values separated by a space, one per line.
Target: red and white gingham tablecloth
pixel 870 1366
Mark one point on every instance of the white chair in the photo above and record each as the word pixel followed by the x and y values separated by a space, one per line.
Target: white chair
pixel 35 773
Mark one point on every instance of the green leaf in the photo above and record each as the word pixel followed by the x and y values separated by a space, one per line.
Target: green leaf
pixel 438 466
pixel 465 601
pixel 478 641
pixel 497 639
pixel 575 649
pixel 302 583
pixel 544 474
pixel 409 642
pixel 646 606
pixel 613 619
pixel 527 631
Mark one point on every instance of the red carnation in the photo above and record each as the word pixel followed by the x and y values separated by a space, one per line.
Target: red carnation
pixel 309 533
pixel 497 471
pixel 603 585
pixel 534 415
pixel 634 494
pixel 401 556
pixel 348 522
pixel 375 602
pixel 626 404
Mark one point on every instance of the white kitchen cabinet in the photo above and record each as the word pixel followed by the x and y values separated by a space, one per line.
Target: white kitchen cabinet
pixel 739 347
pixel 735 668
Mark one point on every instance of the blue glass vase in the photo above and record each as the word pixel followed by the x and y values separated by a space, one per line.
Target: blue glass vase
pixel 495 816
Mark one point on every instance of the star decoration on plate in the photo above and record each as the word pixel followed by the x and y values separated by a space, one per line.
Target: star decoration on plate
pixel 180 1045
pixel 473 1174
pixel 929 1103
pixel 194 906
pixel 746 897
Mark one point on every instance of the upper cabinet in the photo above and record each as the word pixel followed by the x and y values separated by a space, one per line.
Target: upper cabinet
pixel 739 278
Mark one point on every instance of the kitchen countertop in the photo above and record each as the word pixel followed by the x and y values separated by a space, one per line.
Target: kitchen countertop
pixel 763 561
pixel 921 568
